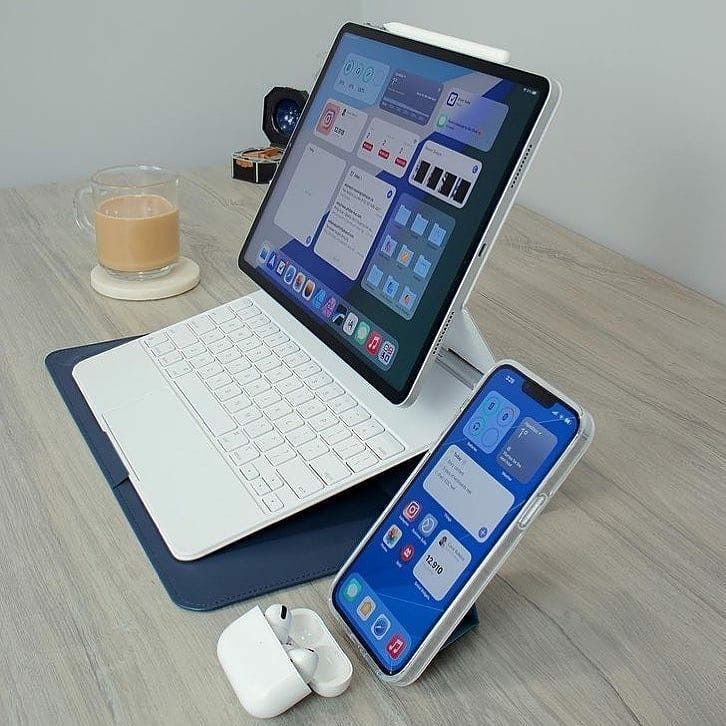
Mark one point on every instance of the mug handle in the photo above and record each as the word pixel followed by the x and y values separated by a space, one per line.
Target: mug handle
pixel 79 207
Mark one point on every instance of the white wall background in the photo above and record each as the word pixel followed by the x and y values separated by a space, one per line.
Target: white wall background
pixel 636 158
pixel 86 84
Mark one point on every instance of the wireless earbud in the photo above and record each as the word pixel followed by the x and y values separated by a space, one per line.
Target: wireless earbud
pixel 305 661
pixel 280 620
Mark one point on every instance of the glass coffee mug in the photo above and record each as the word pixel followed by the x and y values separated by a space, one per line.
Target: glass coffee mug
pixel 133 213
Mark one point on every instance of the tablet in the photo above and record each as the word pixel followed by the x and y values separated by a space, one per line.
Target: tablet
pixel 394 183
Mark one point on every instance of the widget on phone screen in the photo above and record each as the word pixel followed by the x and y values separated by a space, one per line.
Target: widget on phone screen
pixel 411 511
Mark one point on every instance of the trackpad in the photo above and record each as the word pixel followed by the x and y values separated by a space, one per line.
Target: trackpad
pixel 193 496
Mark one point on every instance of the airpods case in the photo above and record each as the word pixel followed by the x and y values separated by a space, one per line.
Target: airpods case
pixel 260 671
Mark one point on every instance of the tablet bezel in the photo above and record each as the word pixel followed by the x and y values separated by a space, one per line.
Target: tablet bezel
pixel 322 331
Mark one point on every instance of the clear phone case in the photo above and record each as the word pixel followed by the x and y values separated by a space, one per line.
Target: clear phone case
pixel 538 500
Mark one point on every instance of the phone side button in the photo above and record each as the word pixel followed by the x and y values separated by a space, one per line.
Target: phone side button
pixel 531 510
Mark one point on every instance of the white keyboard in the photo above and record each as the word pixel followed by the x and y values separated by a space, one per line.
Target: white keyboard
pixel 288 429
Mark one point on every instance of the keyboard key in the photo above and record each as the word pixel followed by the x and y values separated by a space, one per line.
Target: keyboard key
pixel 287 349
pixel 259 486
pixel 350 448
pixel 273 502
pixel 287 385
pixel 219 345
pixel 329 392
pixel 251 413
pixel 265 331
pixel 300 436
pixel 367 429
pixel 237 366
pixel 213 369
pixel 307 369
pixel 269 441
pixel 280 455
pixel 181 335
pixel 249 471
pixel 240 304
pixel 354 416
pixel 244 455
pixel 299 396
pixel 278 374
pixel 221 315
pixel 318 380
pixel 231 325
pixel 313 408
pixel 212 336
pixel 271 478
pixel 201 400
pixel 166 347
pixel 227 356
pixel 323 420
pixel 178 369
pixel 342 403
pixel 300 478
pixel 233 440
pixel 277 410
pixel 296 359
pixel 257 353
pixel 277 339
pixel 258 428
pixel 221 379
pixel 155 339
pixel 258 321
pixel 365 460
pixel 385 445
pixel 237 404
pixel 201 324
pixel 330 468
pixel 229 391
pixel 257 386
pixel 240 334
pixel 169 358
pixel 247 313
pixel 312 449
pixel 287 423
pixel 246 376
pixel 194 350
pixel 268 363
pixel 202 360
pixel 336 434
pixel 267 398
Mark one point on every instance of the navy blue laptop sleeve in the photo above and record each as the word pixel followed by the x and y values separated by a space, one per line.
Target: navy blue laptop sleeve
pixel 311 544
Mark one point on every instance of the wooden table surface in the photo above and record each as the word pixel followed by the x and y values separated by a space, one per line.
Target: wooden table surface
pixel 612 610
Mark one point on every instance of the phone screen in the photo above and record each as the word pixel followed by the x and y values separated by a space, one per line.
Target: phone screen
pixel 454 511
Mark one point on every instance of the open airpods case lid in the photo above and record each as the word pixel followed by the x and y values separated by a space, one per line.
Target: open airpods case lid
pixel 334 670
pixel 261 672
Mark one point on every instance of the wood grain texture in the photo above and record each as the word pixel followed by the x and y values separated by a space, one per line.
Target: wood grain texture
pixel 611 610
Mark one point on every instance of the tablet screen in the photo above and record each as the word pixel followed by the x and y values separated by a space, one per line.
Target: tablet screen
pixel 393 172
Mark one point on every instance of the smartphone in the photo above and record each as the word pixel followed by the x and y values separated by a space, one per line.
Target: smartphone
pixel 455 520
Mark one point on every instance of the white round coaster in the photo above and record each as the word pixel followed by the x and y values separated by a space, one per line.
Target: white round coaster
pixel 183 276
